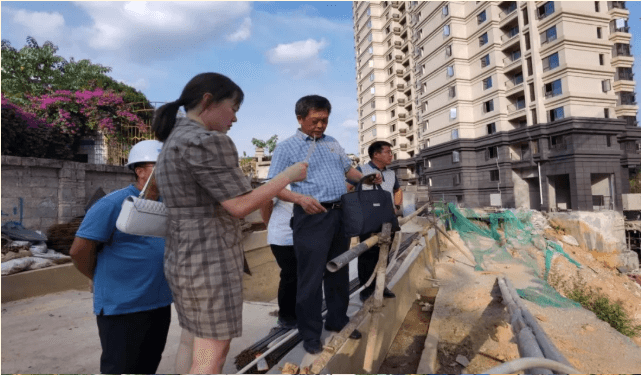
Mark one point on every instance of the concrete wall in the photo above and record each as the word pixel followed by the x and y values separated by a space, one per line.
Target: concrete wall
pixel 53 191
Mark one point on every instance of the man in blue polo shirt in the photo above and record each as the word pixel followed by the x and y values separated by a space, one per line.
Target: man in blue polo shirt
pixel 132 300
pixel 380 154
pixel 317 220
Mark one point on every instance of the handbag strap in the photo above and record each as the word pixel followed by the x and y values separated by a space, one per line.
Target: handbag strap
pixel 359 186
pixel 144 189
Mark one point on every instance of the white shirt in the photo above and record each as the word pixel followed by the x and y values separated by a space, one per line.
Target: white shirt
pixel 278 230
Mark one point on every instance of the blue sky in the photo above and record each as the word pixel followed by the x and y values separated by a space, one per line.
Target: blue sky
pixel 276 51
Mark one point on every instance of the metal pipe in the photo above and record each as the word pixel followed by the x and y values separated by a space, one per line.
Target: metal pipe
pixel 344 259
pixel 540 185
pixel 521 364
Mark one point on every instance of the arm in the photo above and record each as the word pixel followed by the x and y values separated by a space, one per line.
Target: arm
pixel 309 204
pixel 266 211
pixel 398 197
pixel 355 175
pixel 245 204
pixel 83 254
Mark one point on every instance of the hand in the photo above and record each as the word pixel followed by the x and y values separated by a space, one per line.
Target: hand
pixel 374 179
pixel 310 205
pixel 296 172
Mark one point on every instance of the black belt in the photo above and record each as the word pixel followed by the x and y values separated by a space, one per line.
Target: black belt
pixel 331 205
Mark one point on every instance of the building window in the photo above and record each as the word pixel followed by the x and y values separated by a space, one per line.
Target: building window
pixel 525 17
pixel 446 30
pixel 596 6
pixel 373 105
pixel 481 17
pixel 608 140
pixel 373 118
pixel 627 98
pixel 430 181
pixel 454 133
pixel 483 39
pixel 370 50
pixel 446 10
pixel 491 128
pixel 556 141
pixel 372 90
pixel 624 74
pixel 391 99
pixel 619 25
pixel 598 32
pixel 371 77
pixel 494 175
pixel 427 142
pixel 606 112
pixel 621 49
pixel 488 106
pixel 369 37
pixel 485 60
pixel 452 113
pixel 487 83
pixel 491 152
pixel 450 71
pixel 394 142
pixel 553 88
pixel 531 87
pixel 548 35
pixel 456 181
pixel 605 85
pixel 393 114
pixel 556 114
pixel 456 157
pixel 362 138
pixel 370 63
pixel 389 71
pixel 369 12
pixel 369 24
pixel 527 41
pixel 392 128
pixel 451 91
pixel 374 132
pixel 551 62
pixel 601 59
pixel 545 9
pixel 448 50
pixel 428 163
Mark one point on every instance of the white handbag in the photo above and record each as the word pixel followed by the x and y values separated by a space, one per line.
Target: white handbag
pixel 143 217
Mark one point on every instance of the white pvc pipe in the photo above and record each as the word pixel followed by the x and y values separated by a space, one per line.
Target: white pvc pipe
pixel 527 363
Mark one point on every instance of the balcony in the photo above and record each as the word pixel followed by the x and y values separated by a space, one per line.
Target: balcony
pixel 621 29
pixel 402 116
pixel 399 72
pixel 626 98
pixel 400 86
pixel 402 131
pixel 396 17
pixel 398 44
pixel 401 101
pixel 616 5
pixel 621 49
pixel 511 61
pixel 398 58
pixel 403 146
pixel 509 35
pixel 396 4
pixel 514 81
pixel 397 30
pixel 625 75
pixel 508 12
pixel 513 108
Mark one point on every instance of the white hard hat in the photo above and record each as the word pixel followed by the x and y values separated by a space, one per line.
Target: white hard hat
pixel 144 152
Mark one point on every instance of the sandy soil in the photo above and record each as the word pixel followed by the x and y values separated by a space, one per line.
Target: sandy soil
pixel 473 322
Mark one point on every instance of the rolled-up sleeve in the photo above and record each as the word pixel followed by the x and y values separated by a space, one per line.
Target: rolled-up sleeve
pixel 280 161
pixel 345 160
pixel 213 162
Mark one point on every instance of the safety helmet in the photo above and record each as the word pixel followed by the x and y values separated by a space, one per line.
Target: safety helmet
pixel 144 152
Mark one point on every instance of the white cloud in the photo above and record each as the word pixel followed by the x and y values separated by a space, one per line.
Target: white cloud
pixel 40 24
pixel 243 33
pixel 299 59
pixel 297 51
pixel 148 30
pixel 350 124
pixel 140 85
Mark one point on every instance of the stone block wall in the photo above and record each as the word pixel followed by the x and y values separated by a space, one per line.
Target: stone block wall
pixel 53 191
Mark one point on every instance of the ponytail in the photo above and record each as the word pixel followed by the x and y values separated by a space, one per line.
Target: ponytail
pixel 165 120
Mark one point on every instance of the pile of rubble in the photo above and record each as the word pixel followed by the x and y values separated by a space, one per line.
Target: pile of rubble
pixel 23 250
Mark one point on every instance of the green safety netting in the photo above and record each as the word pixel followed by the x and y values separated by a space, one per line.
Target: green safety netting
pixel 507 237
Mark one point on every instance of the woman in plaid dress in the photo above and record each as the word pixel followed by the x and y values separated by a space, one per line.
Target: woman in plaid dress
pixel 206 193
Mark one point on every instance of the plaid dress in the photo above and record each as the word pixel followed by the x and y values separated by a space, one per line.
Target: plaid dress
pixel 196 170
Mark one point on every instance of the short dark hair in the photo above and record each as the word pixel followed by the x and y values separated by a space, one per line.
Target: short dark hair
pixel 309 102
pixel 218 85
pixel 377 147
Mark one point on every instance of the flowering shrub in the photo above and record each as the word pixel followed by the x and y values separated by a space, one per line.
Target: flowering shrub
pixel 84 111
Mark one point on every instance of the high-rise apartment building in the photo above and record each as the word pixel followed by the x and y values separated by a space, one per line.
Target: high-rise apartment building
pixel 511 103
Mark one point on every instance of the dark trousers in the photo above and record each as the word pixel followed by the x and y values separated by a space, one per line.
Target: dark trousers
pixel 286 259
pixel 318 239
pixel 133 343
pixel 367 263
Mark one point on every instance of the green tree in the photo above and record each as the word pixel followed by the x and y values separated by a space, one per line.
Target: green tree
pixel 268 145
pixel 35 70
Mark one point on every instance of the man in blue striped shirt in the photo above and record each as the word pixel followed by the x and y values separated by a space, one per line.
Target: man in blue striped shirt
pixel 317 220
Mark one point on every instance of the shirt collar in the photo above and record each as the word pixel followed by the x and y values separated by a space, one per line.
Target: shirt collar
pixel 371 164
pixel 305 137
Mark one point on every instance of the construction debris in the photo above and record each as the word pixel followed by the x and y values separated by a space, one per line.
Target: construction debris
pixel 290 368
pixel 462 360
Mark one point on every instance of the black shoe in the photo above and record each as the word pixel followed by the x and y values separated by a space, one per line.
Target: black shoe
pixel 388 293
pixel 355 335
pixel 287 324
pixel 312 347
pixel 365 294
